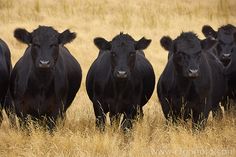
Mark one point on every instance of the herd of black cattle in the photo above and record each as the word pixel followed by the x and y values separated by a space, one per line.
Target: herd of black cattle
pixel 200 75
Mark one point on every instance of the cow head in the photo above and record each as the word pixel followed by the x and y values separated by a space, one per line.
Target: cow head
pixel 187 52
pixel 44 44
pixel 225 39
pixel 123 50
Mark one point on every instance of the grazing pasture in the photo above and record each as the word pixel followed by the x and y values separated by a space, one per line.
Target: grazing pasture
pixel 152 19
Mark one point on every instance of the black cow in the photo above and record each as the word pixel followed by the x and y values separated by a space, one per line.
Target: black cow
pixel 225 52
pixel 191 80
pixel 121 80
pixel 225 39
pixel 5 70
pixel 46 78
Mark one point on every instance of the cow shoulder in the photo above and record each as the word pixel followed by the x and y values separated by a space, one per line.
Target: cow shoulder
pixel 142 66
pixel 68 72
pixel 103 66
pixel 7 54
pixel 2 57
pixel 68 61
pixel 62 70
pixel 20 75
pixel 168 78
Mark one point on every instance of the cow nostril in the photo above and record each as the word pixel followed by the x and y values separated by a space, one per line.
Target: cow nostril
pixel 227 55
pixel 121 74
pixel 43 62
pixel 193 71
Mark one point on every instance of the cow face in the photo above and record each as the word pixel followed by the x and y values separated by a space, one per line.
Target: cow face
pixel 123 50
pixel 187 52
pixel 225 39
pixel 44 44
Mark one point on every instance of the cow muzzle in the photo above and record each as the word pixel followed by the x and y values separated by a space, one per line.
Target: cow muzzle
pixel 193 73
pixel 121 74
pixel 44 64
pixel 226 56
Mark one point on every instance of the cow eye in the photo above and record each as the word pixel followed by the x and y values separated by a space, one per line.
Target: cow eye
pixel 53 45
pixel 36 45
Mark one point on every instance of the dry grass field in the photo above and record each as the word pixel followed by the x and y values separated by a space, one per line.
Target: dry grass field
pixel 106 18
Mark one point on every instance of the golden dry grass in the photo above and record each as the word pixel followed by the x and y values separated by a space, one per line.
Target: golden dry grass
pixel 91 18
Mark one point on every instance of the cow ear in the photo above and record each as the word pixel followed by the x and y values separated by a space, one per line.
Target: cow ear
pixel 166 43
pixel 208 43
pixel 209 31
pixel 102 44
pixel 23 35
pixel 142 44
pixel 66 37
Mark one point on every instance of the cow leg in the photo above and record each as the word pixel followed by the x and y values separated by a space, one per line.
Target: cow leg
pixel 23 121
pixel 51 123
pixel 225 101
pixel 115 119
pixel 129 116
pixel 199 120
pixel 177 114
pixel 53 117
pixel 217 113
pixel 140 113
pixel 99 114
pixel 18 110
pixel 11 117
pixel 227 108
pixel 226 104
pixel 132 113
pixel 200 117
pixel 171 109
pixel 165 106
pixel 9 108
pixel 230 107
pixel 187 114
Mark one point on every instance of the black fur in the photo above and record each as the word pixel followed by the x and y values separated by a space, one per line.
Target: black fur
pixel 5 70
pixel 225 51
pixel 181 91
pixel 46 78
pixel 109 92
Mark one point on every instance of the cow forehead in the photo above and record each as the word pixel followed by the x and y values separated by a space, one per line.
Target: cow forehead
pixel 225 34
pixel 44 35
pixel 228 29
pixel 225 37
pixel 123 44
pixel 188 46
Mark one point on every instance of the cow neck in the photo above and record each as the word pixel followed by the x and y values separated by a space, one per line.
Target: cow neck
pixel 120 86
pixel 183 83
pixel 42 77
